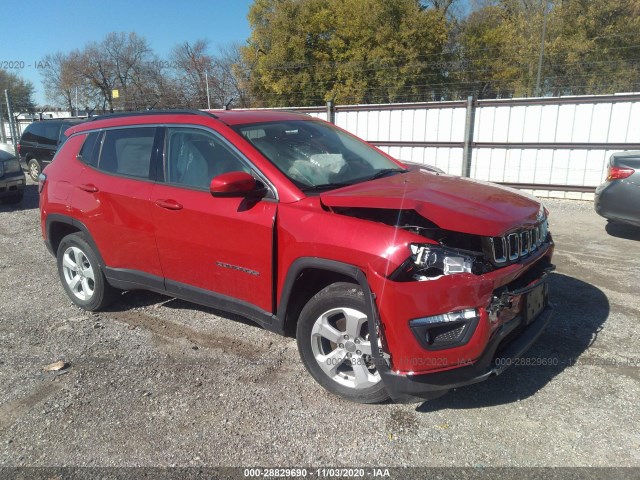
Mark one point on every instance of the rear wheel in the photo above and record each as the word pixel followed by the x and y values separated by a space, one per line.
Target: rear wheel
pixel 81 275
pixel 34 169
pixel 335 345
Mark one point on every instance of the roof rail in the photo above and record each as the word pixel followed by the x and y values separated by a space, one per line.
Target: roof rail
pixel 153 112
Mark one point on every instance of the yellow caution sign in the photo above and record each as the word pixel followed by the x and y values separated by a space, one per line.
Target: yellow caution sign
pixel 115 94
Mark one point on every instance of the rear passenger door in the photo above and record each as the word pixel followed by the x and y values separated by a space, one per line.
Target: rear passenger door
pixel 209 245
pixel 114 194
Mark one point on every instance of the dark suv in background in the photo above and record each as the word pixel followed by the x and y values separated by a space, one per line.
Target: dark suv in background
pixel 40 141
pixel 12 179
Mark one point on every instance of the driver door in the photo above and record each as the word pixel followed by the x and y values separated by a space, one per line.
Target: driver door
pixel 211 245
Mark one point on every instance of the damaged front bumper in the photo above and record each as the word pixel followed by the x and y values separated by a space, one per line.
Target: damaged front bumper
pixel 509 321
pixel 501 352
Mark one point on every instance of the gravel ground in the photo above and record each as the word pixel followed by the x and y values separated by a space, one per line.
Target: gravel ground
pixel 156 381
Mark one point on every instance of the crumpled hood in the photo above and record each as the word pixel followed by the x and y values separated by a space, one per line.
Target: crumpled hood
pixel 453 203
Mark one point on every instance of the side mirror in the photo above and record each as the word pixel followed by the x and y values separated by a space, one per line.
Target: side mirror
pixel 236 184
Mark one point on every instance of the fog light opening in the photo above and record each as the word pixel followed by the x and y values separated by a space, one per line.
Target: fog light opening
pixel 445 330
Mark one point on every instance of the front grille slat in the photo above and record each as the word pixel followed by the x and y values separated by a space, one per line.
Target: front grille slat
pixel 513 243
pixel 516 245
pixel 499 249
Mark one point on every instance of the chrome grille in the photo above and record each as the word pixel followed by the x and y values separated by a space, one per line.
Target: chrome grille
pixel 514 246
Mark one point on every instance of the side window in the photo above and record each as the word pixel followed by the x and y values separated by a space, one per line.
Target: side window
pixel 195 156
pixel 34 132
pixel 91 149
pixel 127 151
pixel 51 133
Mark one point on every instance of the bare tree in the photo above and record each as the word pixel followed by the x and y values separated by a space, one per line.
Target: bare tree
pixel 94 65
pixel 58 79
pixel 65 83
pixel 118 62
pixel 129 56
pixel 154 86
pixel 125 62
pixel 229 72
pixel 193 65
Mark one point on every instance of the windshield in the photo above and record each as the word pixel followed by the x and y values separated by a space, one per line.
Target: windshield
pixel 317 156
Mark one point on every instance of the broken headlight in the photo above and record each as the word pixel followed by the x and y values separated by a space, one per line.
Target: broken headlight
pixel 429 261
pixel 433 261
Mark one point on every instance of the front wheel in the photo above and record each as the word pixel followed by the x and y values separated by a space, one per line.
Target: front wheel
pixel 335 345
pixel 34 169
pixel 81 275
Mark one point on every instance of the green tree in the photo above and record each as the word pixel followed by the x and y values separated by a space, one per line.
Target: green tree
pixel 590 47
pixel 20 91
pixel 305 52
pixel 498 48
pixel 593 47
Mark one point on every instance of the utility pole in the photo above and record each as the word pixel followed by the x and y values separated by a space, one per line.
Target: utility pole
pixel 544 34
pixel 206 79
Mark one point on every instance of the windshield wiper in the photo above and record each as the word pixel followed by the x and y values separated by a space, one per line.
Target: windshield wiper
pixel 386 171
pixel 330 185
pixel 325 186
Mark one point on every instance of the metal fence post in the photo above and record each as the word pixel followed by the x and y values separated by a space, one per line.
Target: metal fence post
pixel 331 112
pixel 468 136
pixel 12 124
pixel 3 135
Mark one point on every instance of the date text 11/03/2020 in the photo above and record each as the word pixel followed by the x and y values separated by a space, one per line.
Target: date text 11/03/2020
pixel 323 472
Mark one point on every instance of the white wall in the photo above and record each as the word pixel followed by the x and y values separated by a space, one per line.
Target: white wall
pixel 595 121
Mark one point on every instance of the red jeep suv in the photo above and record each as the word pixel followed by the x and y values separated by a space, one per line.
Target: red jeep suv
pixel 397 281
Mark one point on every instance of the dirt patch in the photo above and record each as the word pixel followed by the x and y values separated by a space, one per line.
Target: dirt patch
pixel 168 329
pixel 11 411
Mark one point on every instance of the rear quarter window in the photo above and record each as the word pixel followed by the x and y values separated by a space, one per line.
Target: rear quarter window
pixel 91 149
pixel 32 133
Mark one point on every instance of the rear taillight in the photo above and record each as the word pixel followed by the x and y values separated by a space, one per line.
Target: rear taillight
pixel 18 149
pixel 618 173
pixel 42 178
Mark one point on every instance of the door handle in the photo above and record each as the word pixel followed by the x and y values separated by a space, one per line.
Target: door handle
pixel 169 204
pixel 88 187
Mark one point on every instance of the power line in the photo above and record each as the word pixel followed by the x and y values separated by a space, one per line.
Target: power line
pixel 451 57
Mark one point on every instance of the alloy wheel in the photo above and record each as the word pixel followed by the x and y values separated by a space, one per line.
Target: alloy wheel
pixel 341 347
pixel 78 273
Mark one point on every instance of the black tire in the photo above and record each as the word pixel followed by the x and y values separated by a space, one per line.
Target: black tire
pixel 86 292
pixel 13 199
pixel 339 309
pixel 34 168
